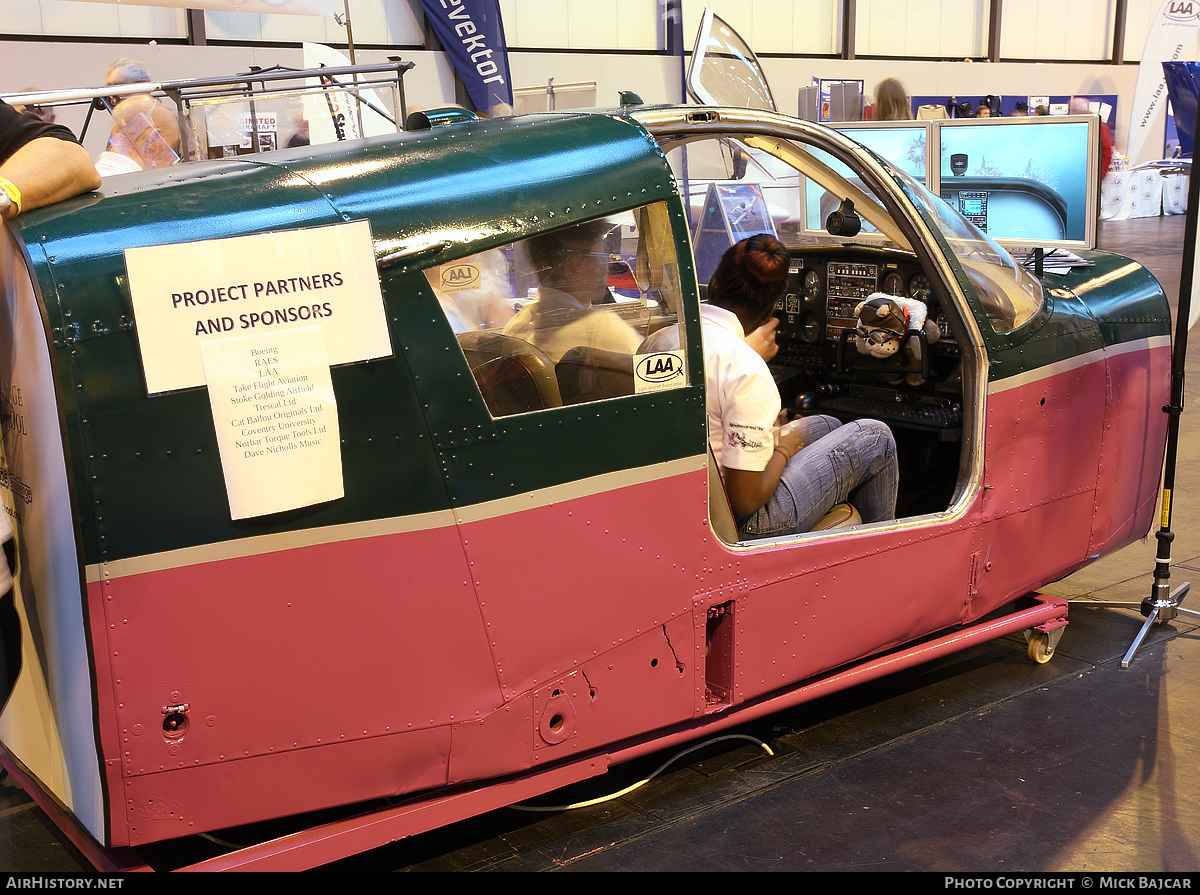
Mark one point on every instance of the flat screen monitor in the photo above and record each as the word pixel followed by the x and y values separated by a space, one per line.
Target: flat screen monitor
pixel 903 144
pixel 1025 182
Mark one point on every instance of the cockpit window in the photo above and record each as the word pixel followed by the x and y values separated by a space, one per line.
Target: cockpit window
pixel 562 317
pixel 737 187
pixel 1010 294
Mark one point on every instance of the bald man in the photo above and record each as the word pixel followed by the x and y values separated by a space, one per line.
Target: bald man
pixel 143 128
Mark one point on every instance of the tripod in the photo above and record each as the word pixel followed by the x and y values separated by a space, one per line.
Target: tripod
pixel 1163 604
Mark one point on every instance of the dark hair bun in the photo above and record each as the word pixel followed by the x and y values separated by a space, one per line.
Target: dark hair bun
pixel 751 276
pixel 762 258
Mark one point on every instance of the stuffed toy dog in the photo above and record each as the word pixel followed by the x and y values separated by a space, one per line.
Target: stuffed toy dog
pixel 887 323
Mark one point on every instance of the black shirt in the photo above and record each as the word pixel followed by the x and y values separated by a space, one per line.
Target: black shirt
pixel 19 128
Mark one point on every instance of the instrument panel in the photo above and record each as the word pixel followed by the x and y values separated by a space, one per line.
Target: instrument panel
pixel 825 285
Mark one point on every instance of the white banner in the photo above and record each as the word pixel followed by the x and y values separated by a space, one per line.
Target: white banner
pixel 283 7
pixel 1170 36
pixel 334 115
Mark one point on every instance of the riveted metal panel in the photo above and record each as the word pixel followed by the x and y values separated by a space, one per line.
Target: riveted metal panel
pixel 149 465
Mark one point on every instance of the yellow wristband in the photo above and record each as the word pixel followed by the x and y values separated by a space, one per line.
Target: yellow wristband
pixel 13 193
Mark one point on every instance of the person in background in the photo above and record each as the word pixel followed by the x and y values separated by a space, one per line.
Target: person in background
pixel 1080 106
pixel 46 113
pixel 301 132
pixel 892 102
pixel 572 267
pixel 983 111
pixel 144 130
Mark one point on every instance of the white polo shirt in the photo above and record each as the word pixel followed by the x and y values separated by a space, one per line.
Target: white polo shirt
pixel 741 397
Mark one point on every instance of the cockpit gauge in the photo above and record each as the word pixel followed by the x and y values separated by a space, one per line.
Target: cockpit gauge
pixel 812 284
pixel 893 284
pixel 919 288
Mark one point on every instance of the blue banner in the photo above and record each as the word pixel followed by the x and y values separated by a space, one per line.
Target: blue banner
pixel 473 37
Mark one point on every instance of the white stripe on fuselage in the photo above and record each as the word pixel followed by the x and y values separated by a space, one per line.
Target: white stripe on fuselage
pixel 372 528
pixel 1074 363
pixel 271 543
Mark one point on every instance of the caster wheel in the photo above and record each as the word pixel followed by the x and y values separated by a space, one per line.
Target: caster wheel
pixel 1040 650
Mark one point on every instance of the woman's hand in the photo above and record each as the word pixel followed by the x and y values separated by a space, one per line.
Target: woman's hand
pixel 762 340
pixel 788 443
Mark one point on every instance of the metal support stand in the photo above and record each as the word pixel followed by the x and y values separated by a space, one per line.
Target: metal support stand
pixel 1158 610
pixel 1162 605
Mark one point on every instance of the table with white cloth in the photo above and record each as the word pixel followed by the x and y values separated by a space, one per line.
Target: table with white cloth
pixel 1175 193
pixel 1142 194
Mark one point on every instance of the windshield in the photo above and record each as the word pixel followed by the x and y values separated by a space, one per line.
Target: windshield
pixel 1009 293
pixel 736 186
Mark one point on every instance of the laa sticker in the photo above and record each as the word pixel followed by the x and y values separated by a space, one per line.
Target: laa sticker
pixel 460 276
pixel 658 372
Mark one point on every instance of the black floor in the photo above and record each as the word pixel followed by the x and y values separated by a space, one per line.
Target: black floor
pixel 983 761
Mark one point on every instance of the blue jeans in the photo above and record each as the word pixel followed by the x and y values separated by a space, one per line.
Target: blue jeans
pixel 854 463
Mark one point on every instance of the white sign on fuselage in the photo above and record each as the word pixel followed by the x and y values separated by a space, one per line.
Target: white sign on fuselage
pixel 187 293
pixel 276 419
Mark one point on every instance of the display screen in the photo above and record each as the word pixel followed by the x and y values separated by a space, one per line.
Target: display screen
pixel 902 146
pixel 971 206
pixel 1019 180
pixel 745 210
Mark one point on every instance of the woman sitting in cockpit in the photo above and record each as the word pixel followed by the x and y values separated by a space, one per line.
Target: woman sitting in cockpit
pixel 779 479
